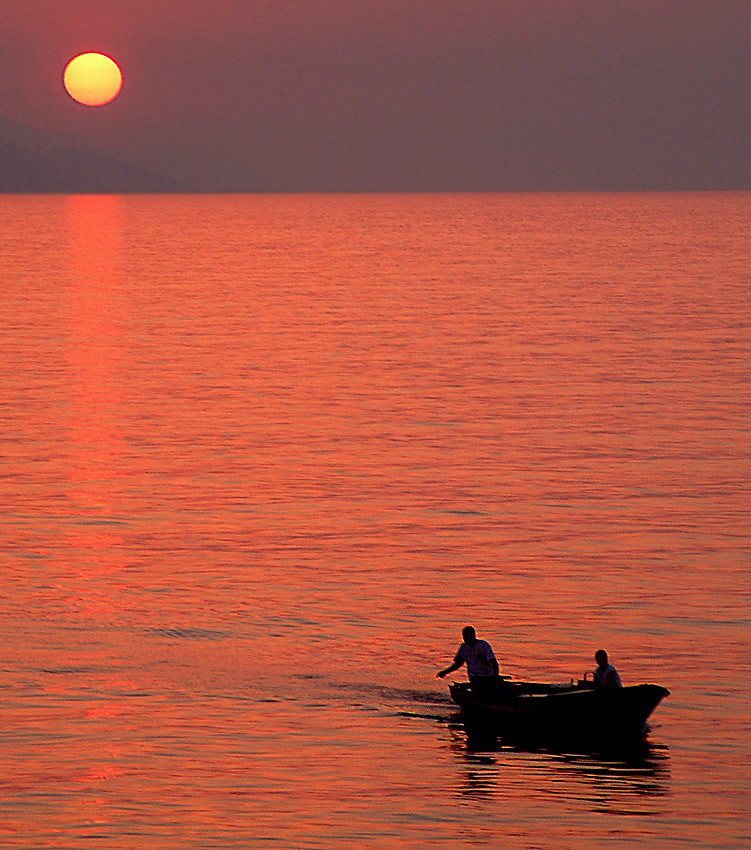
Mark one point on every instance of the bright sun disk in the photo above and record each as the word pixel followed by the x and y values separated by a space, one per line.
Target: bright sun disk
pixel 92 79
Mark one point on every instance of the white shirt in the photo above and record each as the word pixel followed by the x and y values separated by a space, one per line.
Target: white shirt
pixel 478 658
pixel 608 676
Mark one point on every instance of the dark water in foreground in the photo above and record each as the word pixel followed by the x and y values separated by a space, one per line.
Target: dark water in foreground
pixel 262 457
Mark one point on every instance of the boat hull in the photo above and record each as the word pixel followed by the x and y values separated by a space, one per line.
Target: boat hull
pixel 549 713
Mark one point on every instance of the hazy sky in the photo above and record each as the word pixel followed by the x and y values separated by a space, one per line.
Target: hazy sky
pixel 399 94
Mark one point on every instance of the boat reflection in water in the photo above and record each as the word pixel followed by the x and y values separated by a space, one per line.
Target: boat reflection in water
pixel 630 782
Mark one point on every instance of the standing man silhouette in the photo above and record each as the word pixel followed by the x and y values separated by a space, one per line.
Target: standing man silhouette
pixel 482 667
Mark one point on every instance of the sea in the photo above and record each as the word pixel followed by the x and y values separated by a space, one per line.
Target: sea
pixel 263 457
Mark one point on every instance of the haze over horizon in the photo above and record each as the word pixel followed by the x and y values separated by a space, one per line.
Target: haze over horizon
pixel 417 95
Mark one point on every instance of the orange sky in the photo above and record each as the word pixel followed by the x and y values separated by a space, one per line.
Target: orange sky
pixel 398 94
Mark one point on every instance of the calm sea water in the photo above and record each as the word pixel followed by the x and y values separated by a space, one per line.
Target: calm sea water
pixel 263 457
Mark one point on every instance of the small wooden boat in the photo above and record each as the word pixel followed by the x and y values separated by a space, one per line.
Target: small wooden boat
pixel 550 712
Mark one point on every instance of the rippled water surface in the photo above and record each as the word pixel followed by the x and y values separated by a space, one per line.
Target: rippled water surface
pixel 262 457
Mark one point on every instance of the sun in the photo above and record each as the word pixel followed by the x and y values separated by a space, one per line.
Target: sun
pixel 92 79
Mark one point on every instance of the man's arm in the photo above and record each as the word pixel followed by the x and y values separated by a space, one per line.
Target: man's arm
pixel 455 666
pixel 490 658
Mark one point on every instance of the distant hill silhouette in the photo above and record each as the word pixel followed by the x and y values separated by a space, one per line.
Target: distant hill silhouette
pixel 24 170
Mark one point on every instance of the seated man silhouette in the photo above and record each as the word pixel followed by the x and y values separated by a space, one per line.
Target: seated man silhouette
pixel 605 675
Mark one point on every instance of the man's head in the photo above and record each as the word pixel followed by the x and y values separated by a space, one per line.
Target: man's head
pixel 468 633
pixel 601 657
